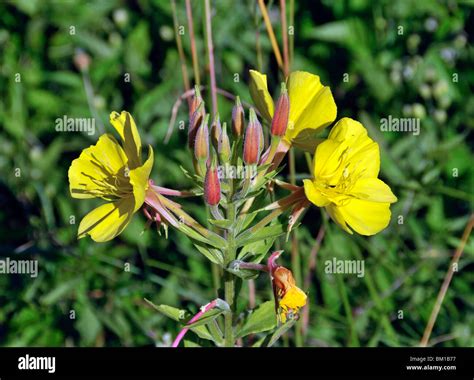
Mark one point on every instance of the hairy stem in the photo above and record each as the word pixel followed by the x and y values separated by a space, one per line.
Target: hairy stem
pixel 229 290
pixel 295 255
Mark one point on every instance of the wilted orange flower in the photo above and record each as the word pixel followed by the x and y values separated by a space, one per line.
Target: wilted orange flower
pixel 289 299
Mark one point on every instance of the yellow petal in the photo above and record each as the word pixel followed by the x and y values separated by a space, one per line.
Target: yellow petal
pixel 365 161
pixel 260 95
pixel 337 217
pixel 374 190
pixel 312 105
pixel 108 220
pixel 127 129
pixel 139 179
pixel 328 161
pixel 313 194
pixel 95 165
pixel 347 129
pixel 366 217
pixel 363 153
pixel 293 299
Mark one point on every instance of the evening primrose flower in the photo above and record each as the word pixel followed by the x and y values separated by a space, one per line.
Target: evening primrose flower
pixel 312 106
pixel 345 183
pixel 114 173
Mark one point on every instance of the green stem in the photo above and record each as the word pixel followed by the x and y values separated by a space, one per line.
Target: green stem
pixel 214 267
pixel 295 255
pixel 229 290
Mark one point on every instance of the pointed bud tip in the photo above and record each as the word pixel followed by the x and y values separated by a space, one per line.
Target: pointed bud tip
pixel 201 143
pixel 253 143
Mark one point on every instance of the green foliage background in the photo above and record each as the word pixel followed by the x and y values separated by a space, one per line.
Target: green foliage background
pixel 402 75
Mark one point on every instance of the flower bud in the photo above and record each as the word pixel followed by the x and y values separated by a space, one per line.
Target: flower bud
pixel 238 118
pixel 216 131
pixel 82 60
pixel 194 122
pixel 212 185
pixel 201 142
pixel 196 101
pixel 224 149
pixel 253 140
pixel 282 111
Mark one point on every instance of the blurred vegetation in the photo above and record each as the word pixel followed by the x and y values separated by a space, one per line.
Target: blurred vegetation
pixel 405 72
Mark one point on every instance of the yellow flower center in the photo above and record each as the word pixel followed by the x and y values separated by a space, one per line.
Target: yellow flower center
pixel 114 185
pixel 337 184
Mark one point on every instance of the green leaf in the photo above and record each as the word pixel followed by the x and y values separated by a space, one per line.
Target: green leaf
pixel 171 312
pixel 264 233
pixel 271 339
pixel 256 251
pixel 207 317
pixel 245 220
pixel 262 319
pixel 189 343
pixel 245 274
pixel 183 317
pixel 224 223
pixel 211 254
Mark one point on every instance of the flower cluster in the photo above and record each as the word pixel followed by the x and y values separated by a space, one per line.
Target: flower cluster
pixel 344 181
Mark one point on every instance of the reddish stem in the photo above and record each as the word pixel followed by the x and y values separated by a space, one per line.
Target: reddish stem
pixel 210 48
pixel 204 309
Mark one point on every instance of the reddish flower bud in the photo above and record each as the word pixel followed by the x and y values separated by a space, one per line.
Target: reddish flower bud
pixel 224 149
pixel 195 102
pixel 212 186
pixel 282 111
pixel 216 131
pixel 253 140
pixel 194 122
pixel 238 118
pixel 201 142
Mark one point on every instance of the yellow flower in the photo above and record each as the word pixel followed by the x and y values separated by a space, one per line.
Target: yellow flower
pixel 114 173
pixel 346 167
pixel 290 298
pixel 312 105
